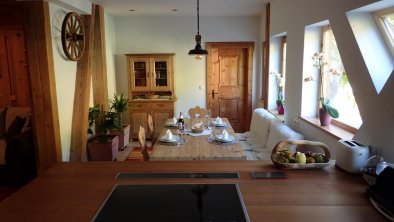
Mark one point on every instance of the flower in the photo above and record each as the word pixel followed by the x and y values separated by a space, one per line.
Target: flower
pixel 320 62
pixel 280 81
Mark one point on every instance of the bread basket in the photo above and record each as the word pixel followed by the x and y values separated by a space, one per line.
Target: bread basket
pixel 152 96
pixel 304 145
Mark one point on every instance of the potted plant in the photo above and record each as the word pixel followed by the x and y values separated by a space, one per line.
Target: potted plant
pixel 119 104
pixel 326 111
pixel 93 114
pixel 280 102
pixel 102 146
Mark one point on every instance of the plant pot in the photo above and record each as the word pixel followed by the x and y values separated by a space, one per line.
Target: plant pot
pixel 325 119
pixel 99 151
pixel 280 108
pixel 124 138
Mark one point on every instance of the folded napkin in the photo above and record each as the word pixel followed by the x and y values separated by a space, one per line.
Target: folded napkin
pixel 174 120
pixel 168 135
pixel 218 120
pixel 225 135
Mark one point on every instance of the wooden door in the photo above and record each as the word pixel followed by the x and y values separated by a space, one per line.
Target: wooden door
pixel 229 82
pixel 14 78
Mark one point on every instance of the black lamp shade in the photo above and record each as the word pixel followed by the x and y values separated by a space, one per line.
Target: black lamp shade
pixel 198 49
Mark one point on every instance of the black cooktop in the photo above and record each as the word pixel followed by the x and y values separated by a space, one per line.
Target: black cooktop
pixel 173 175
pixel 173 202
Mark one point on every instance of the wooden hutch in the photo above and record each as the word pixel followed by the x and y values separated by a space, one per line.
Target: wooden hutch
pixel 151 90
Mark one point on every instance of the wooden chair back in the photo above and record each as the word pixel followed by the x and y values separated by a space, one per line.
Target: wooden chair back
pixel 142 141
pixel 151 129
pixel 197 112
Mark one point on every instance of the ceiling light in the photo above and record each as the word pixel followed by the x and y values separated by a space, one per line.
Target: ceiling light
pixel 198 51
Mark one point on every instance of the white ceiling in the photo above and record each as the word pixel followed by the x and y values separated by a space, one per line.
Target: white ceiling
pixel 119 8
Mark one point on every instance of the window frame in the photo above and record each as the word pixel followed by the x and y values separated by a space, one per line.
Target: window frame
pixel 333 121
pixel 387 34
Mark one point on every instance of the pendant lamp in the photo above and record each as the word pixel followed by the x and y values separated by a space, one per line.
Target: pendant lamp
pixel 198 51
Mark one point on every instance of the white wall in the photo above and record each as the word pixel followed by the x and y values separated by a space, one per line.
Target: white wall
pixel 65 70
pixel 376 111
pixel 176 35
pixel 65 75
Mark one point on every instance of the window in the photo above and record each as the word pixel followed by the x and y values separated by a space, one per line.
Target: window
pixel 336 85
pixel 385 21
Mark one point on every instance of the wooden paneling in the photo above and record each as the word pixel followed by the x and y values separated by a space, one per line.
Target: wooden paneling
pixel 82 95
pixel 40 57
pixel 14 77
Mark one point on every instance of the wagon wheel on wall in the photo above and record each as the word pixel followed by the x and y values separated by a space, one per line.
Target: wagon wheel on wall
pixel 73 36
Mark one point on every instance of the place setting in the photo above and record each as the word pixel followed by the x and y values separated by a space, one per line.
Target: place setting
pixel 219 123
pixel 170 139
pixel 222 139
pixel 198 129
pixel 172 123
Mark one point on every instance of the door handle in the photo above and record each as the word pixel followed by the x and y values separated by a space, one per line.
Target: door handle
pixel 213 94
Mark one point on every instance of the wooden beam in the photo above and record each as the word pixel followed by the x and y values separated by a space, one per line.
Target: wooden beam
pixel 266 49
pixel 99 68
pixel 82 94
pixel 42 77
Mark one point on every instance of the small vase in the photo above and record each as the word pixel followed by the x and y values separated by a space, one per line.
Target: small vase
pixel 280 108
pixel 325 119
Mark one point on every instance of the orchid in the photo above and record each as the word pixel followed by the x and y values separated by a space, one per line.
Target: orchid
pixel 320 62
pixel 280 81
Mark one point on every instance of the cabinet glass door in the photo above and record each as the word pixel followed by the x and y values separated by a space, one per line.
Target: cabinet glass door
pixel 162 74
pixel 140 79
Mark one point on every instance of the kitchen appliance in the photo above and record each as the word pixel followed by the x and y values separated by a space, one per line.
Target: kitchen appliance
pixel 351 155
pixel 173 202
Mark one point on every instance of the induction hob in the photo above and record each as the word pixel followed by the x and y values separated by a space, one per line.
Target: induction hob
pixel 173 202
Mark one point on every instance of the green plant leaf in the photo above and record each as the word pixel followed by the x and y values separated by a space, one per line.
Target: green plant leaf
pixel 331 111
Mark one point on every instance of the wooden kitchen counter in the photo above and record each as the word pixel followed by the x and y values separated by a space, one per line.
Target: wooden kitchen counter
pixel 75 191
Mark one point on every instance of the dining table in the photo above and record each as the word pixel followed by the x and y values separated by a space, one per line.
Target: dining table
pixel 205 145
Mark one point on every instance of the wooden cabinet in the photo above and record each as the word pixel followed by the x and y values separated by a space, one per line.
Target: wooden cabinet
pixel 150 72
pixel 160 111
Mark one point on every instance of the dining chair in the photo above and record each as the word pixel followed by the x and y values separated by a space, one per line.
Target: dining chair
pixel 197 112
pixel 152 130
pixel 142 141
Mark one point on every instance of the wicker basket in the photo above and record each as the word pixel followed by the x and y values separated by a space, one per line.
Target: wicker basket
pixel 304 144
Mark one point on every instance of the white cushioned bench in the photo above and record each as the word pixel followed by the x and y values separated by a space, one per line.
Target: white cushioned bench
pixel 265 132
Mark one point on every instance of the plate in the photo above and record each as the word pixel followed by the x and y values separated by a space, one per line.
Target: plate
pixel 220 124
pixel 228 140
pixel 173 140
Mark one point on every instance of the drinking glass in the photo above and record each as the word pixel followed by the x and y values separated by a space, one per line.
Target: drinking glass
pixel 208 119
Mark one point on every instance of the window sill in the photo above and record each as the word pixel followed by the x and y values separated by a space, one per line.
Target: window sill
pixel 333 130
